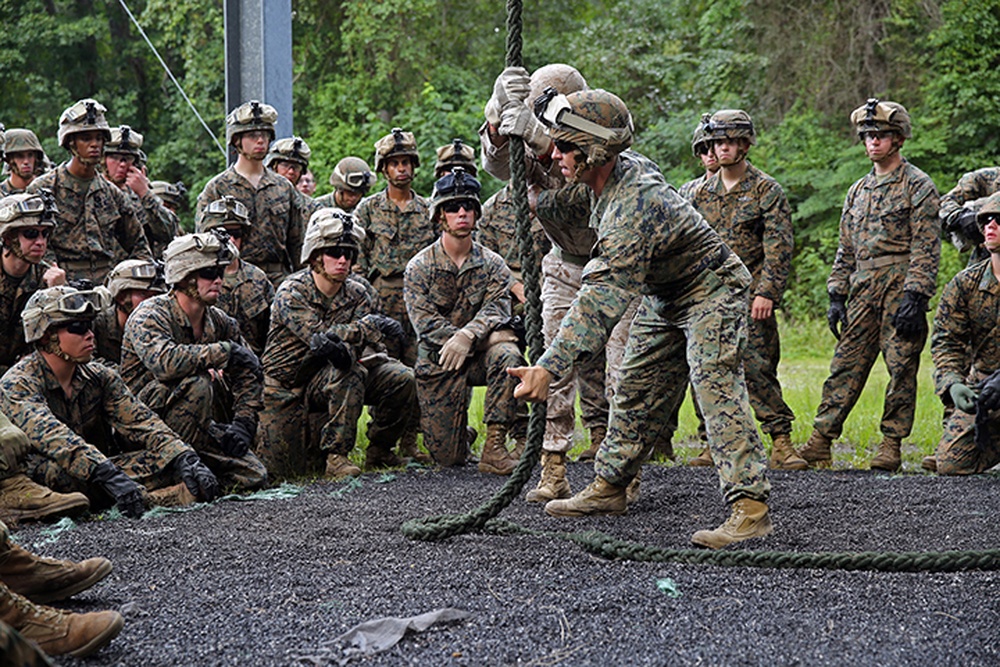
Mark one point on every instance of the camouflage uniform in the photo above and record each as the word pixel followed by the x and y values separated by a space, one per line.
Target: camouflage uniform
pixel 14 293
pixel 441 299
pixel 971 190
pixel 97 225
pixel 246 296
pixel 966 349
pixel 691 324
pixel 394 236
pixel 159 223
pixel 689 189
pixel 7 188
pixel 497 230
pixel 753 218
pixel 100 420
pixel 167 368
pixel 108 337
pixel 889 242
pixel 297 383
pixel 278 213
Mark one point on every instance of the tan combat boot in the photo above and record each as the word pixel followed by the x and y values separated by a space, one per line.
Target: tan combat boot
pixel 929 463
pixel 597 435
pixel 339 466
pixel 783 456
pixel 632 490
pixel 817 451
pixel 380 456
pixel 553 483
pixel 43 579
pixel 495 459
pixel 703 460
pixel 59 632
pixel 888 457
pixel 749 518
pixel 23 500
pixel 177 495
pixel 408 449
pixel 520 442
pixel 600 497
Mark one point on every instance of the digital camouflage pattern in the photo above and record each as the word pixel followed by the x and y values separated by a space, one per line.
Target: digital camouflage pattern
pixel 246 297
pixel 755 221
pixel 497 230
pixel 971 188
pixel 101 420
pixel 168 369
pixel 688 189
pixel 691 324
pixel 108 337
pixel 441 299
pixel 159 223
pixel 7 188
pixel 97 225
pixel 278 216
pixel 297 385
pixel 965 347
pixel 894 220
pixel 14 294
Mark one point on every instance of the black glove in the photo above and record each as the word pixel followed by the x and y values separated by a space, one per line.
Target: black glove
pixel 238 437
pixel 965 224
pixel 911 319
pixel 329 346
pixel 196 476
pixel 389 327
pixel 836 314
pixel 125 491
pixel 989 393
pixel 243 357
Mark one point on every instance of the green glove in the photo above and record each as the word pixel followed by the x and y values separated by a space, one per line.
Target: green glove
pixel 963 397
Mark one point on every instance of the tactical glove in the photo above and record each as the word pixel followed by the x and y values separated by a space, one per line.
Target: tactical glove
pixel 963 397
pixel 910 320
pixel 513 85
pixel 238 437
pixel 196 476
pixel 836 314
pixel 516 120
pixel 989 392
pixel 965 224
pixel 388 327
pixel 243 357
pixel 329 346
pixel 455 350
pixel 126 492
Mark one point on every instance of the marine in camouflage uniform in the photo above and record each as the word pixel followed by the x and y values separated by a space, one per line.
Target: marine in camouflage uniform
pixel 966 351
pixel 753 218
pixel 458 296
pixel 25 158
pixel 351 180
pixel 701 148
pixel 277 210
pixel 130 283
pixel 97 224
pixel 691 322
pixel 325 360
pixel 885 270
pixel 94 436
pixel 246 292
pixel 959 207
pixel 185 359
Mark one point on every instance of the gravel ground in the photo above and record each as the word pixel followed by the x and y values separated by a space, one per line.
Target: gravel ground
pixel 275 582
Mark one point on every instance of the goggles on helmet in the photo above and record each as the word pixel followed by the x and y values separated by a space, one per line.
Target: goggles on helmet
pixel 358 180
pixel 14 210
pixel 83 110
pixel 456 183
pixel 89 302
pixel 228 206
pixel 555 111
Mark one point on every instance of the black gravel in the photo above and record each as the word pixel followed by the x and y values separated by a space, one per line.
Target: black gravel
pixel 275 582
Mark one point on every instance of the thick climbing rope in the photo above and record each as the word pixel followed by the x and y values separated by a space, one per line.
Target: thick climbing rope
pixel 483 518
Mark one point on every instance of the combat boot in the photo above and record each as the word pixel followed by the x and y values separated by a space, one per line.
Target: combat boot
pixel 553 483
pixel 816 452
pixel 749 518
pixel 23 500
pixel 59 632
pixel 597 435
pixel 664 450
pixel 378 456
pixel 783 456
pixel 495 458
pixel 632 490
pixel 520 441
pixel 43 579
pixel 177 495
pixel 929 463
pixel 408 449
pixel 600 497
pixel 339 466
pixel 703 460
pixel 888 457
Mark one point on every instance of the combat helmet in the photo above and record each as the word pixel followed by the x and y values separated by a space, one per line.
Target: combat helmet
pixel 352 173
pixel 330 227
pixel 250 116
pixel 456 186
pixel 989 209
pixel 878 116
pixel 700 138
pixel 289 149
pixel 125 141
pixel 227 210
pixel 36 209
pixel 57 305
pixel 191 252
pixel 393 144
pixel 564 78
pixel 731 124
pixel 141 274
pixel 172 193
pixel 20 140
pixel 456 154
pixel 84 116
pixel 3 139
pixel 596 121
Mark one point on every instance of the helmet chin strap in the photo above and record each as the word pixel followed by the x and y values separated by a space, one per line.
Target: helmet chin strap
pixel 51 345
pixel 90 162
pixel 316 265
pixel 190 288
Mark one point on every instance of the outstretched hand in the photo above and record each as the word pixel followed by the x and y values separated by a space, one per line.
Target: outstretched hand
pixel 534 385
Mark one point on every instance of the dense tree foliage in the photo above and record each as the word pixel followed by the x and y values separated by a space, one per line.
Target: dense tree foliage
pixel 363 66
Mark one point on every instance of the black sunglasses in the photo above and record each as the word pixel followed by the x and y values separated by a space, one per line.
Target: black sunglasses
pixel 565 146
pixel 32 234
pixel 234 232
pixel 456 206
pixel 337 252
pixel 703 149
pixel 79 327
pixel 211 272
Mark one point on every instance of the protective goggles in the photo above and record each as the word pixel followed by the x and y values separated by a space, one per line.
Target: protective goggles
pixel 31 206
pixel 457 183
pixel 555 111
pixel 228 207
pixel 141 271
pixel 716 127
pixel 358 180
pixel 89 302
